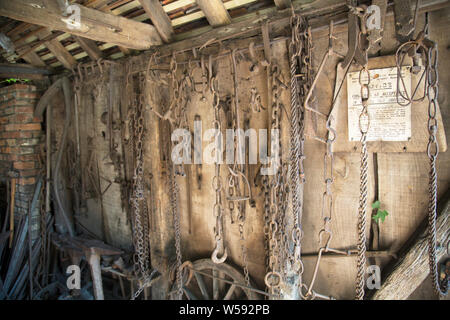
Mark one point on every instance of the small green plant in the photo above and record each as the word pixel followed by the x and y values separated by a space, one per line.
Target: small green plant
pixel 14 80
pixel 381 214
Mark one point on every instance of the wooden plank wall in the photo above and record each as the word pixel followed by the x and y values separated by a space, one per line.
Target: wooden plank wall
pixel 402 177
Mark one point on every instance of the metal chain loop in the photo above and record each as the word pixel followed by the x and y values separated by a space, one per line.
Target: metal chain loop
pixel 137 200
pixel 217 180
pixel 433 151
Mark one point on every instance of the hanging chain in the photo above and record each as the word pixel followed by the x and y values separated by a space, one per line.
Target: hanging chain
pixel 432 151
pixel 273 278
pixel 238 170
pixel 364 125
pixel 217 180
pixel 178 106
pixel 426 49
pixel 298 51
pixel 138 205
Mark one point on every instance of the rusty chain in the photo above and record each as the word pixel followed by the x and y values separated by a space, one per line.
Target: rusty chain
pixel 364 125
pixel 137 201
pixel 299 52
pixel 217 183
pixel 433 151
pixel 273 278
pixel 177 106
pixel 234 190
pixel 426 49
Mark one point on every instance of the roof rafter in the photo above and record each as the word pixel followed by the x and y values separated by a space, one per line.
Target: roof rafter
pixel 94 24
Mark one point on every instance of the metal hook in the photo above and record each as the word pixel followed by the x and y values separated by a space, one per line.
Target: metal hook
pixel 214 257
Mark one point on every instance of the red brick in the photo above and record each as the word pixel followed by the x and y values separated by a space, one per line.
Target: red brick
pixel 7 111
pixel 7 96
pixel 27 95
pixel 21 86
pixel 17 150
pixel 23 127
pixel 23 157
pixel 16 134
pixel 21 118
pixel 22 165
pixel 24 109
pixel 25 181
pixel 15 102
pixel 29 173
pixel 11 142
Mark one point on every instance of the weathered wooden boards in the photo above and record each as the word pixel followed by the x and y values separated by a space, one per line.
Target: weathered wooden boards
pixel 412 268
pixel 94 24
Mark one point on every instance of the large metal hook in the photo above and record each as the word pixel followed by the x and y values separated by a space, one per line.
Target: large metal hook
pixel 218 248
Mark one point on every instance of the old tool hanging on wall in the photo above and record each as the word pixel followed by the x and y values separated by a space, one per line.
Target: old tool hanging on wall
pixel 404 19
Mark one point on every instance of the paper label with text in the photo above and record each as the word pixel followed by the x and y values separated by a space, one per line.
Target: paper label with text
pixel 389 120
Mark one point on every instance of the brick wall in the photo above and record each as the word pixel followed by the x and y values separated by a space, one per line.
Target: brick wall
pixel 20 143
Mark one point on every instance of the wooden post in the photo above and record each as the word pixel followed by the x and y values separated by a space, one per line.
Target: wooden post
pixel 11 211
pixel 412 268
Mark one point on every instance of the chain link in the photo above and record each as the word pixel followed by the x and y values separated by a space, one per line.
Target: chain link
pixel 217 184
pixel 299 51
pixel 432 152
pixel 364 125
pixel 273 278
pixel 237 171
pixel 137 200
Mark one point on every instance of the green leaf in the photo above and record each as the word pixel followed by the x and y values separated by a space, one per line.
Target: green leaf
pixel 376 205
pixel 381 214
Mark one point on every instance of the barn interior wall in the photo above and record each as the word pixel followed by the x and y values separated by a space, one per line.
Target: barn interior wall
pixel 104 111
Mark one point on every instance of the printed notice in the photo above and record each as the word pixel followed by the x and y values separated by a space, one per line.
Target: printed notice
pixel 389 121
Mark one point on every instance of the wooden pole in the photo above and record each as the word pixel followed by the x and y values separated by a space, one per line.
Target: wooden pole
pixel 11 211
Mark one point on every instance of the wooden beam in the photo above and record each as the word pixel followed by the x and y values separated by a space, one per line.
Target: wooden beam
pixel 89 47
pixel 159 18
pixel 215 12
pixel 94 24
pixel 61 53
pixel 283 4
pixel 22 71
pixel 32 58
pixel 412 268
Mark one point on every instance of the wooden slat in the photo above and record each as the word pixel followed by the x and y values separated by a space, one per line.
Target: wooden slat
pixel 159 18
pixel 61 53
pixel 95 25
pixel 215 12
pixel 282 4
pixel 90 47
